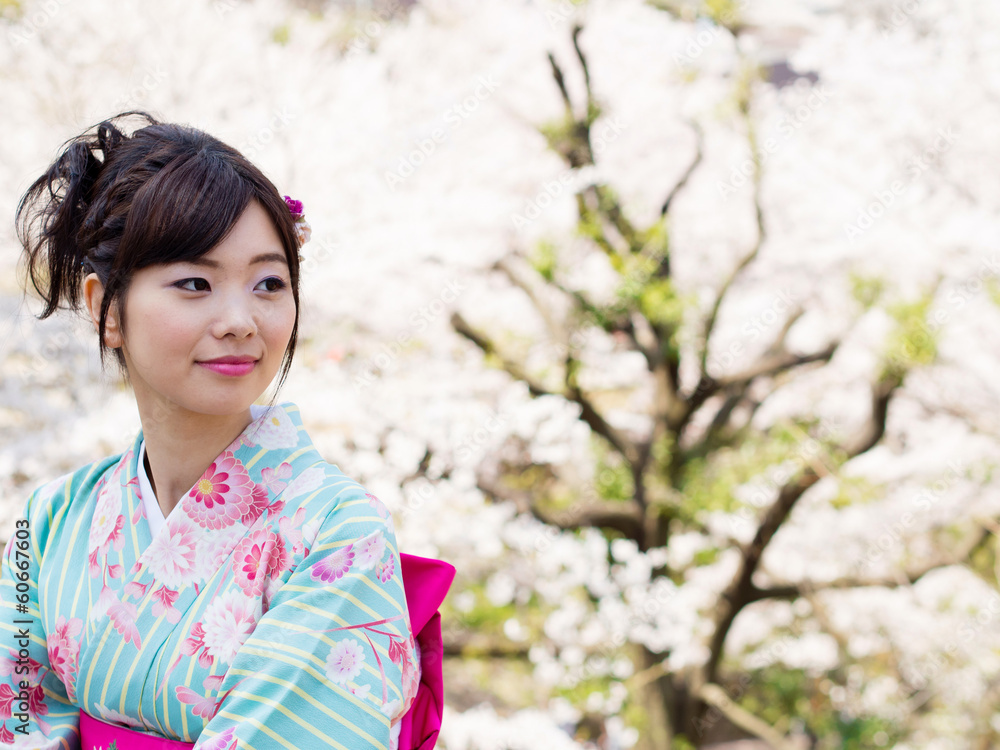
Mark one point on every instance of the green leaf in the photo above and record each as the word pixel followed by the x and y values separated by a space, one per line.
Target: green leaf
pixel 867 290
pixel 11 10
pixel 281 34
pixel 912 343
pixel 660 303
pixel 544 259
pixel 993 289
pixel 613 480
pixel 855 491
pixel 706 556
pixel 723 12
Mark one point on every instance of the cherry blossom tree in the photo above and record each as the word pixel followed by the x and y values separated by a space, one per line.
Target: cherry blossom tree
pixel 671 324
pixel 701 447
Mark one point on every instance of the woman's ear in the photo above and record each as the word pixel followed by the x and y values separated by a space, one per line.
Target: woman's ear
pixel 93 295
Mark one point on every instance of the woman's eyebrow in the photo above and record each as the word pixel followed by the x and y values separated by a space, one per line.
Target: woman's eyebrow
pixel 262 258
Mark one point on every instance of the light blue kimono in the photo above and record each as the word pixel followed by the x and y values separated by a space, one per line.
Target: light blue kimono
pixel 267 612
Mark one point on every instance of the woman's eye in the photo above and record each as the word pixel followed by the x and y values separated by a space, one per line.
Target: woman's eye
pixel 184 284
pixel 274 283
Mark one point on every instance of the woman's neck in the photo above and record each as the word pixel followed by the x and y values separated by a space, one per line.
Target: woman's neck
pixel 181 445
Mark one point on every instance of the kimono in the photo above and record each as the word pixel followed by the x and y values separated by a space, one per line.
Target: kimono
pixel 267 610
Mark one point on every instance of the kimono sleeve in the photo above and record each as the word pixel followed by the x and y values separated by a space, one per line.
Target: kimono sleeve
pixel 331 662
pixel 35 710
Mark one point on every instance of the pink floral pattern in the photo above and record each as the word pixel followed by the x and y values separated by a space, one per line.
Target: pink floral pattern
pixel 227 624
pixel 222 496
pixel 194 645
pixel 307 481
pixel 163 604
pixel 334 565
pixel 108 521
pixel 115 717
pixel 123 616
pixel 9 664
pixel 171 556
pixel 213 550
pixel 274 429
pixel 276 479
pixel 258 558
pixel 223 741
pixel 64 649
pixel 258 504
pixel 291 531
pixel 378 505
pixel 385 569
pixel 370 551
pixel 345 660
pixel 37 708
pixel 202 706
pixel 410 666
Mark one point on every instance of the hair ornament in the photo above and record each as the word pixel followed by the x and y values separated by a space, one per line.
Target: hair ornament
pixel 302 229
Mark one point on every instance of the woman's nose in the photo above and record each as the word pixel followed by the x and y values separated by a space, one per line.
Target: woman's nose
pixel 235 316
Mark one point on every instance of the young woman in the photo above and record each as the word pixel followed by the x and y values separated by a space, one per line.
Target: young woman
pixel 218 583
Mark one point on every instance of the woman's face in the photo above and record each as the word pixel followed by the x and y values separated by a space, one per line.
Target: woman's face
pixel 209 335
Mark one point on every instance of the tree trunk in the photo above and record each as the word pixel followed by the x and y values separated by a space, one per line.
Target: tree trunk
pixel 657 698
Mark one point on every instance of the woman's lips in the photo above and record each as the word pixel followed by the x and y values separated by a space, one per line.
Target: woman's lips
pixel 232 369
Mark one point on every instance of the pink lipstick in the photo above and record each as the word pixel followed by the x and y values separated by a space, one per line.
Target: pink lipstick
pixel 231 366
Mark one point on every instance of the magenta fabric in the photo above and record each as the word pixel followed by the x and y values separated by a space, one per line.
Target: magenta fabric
pixel 426 582
pixel 95 733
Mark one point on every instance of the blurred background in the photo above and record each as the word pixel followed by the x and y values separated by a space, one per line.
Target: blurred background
pixel 672 324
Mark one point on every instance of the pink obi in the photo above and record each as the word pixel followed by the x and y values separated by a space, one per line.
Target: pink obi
pixel 95 733
pixel 426 582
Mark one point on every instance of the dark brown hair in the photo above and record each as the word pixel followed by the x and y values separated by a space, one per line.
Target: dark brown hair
pixel 163 194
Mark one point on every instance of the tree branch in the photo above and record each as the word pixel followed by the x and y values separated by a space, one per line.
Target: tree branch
pixel 699 140
pixel 905 578
pixel 503 264
pixel 737 385
pixel 748 258
pixel 874 429
pixel 612 209
pixel 589 413
pixel 594 204
pixel 480 647
pixel 738 594
pixel 641 335
pixel 741 590
pixel 561 83
pixel 774 364
pixel 715 696
pixel 622 517
pixel 724 289
pixel 586 71
pixel 573 143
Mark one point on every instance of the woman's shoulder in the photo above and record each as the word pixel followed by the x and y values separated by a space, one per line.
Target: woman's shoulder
pixel 334 493
pixel 52 502
pixel 71 484
pixel 310 486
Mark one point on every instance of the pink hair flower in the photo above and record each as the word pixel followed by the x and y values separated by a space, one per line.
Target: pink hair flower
pixel 302 229
pixel 294 206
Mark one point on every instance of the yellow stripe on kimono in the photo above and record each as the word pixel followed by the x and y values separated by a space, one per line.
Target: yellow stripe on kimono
pixel 265 611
